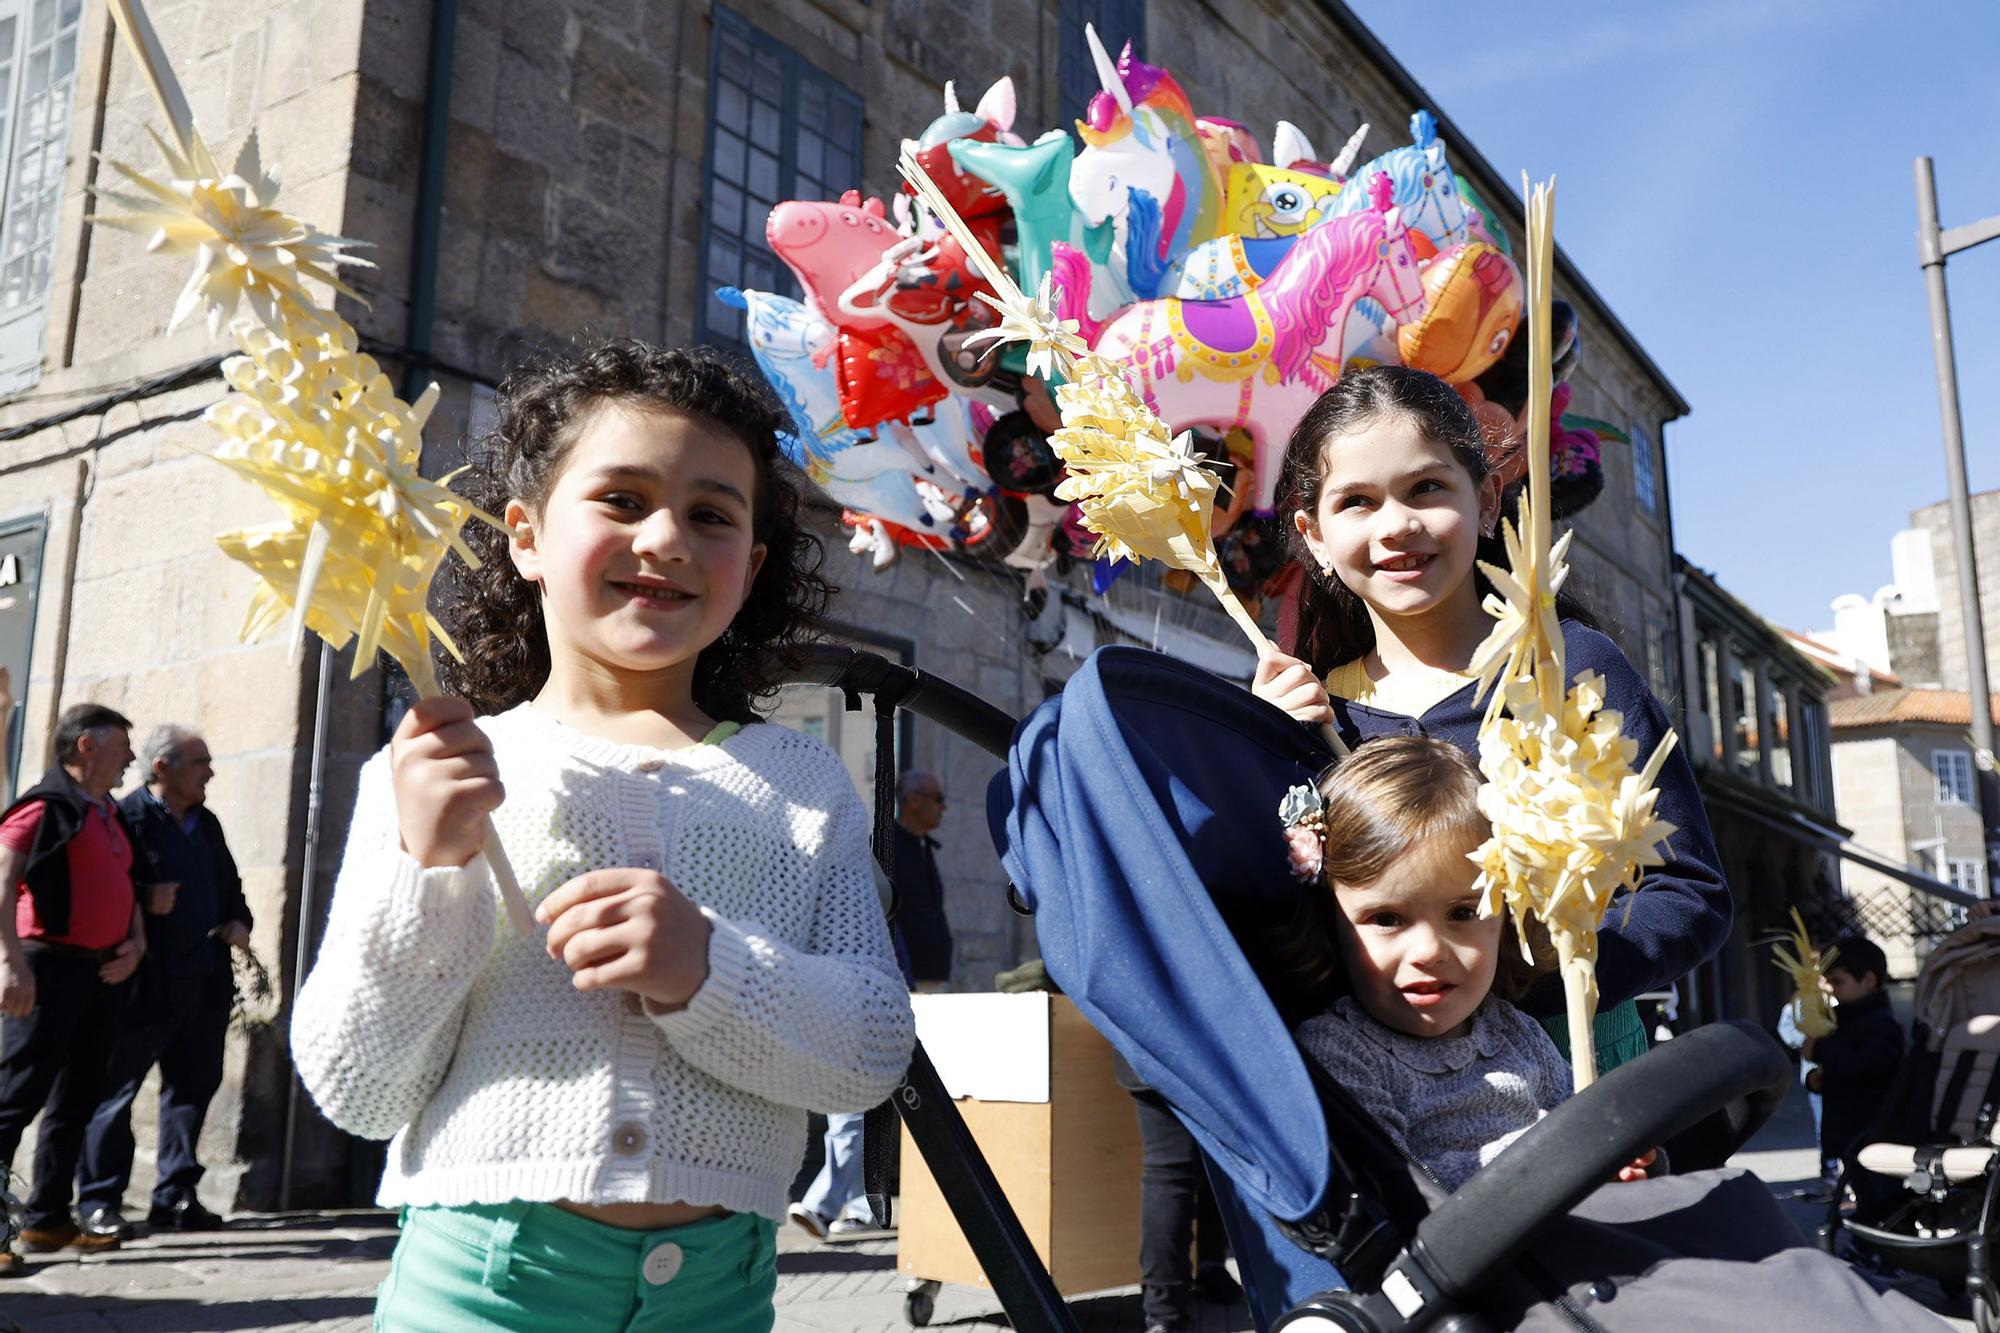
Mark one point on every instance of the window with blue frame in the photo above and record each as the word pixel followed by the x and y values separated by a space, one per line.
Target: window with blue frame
pixel 1642 470
pixel 778 129
pixel 1117 22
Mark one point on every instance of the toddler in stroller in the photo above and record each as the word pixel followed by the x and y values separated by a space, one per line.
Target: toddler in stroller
pixel 1933 1151
pixel 1420 1034
pixel 1135 820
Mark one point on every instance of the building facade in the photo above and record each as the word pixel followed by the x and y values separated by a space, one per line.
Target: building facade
pixel 1903 778
pixel 1754 720
pixel 1935 522
pixel 530 171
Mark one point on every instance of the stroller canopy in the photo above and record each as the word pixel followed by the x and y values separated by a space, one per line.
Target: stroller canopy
pixel 1133 803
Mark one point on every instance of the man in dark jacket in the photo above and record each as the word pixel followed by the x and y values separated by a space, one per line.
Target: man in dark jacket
pixel 1858 1060
pixel 919 889
pixel 194 916
pixel 70 937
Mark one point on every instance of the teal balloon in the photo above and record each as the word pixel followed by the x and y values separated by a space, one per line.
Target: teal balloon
pixel 1035 181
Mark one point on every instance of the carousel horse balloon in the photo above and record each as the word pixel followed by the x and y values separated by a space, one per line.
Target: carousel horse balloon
pixel 1426 189
pixel 1258 361
pixel 1140 133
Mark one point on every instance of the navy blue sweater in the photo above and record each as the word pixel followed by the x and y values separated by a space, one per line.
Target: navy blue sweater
pixel 1682 915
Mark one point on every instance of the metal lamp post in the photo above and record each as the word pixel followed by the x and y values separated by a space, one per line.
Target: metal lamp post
pixel 1934 245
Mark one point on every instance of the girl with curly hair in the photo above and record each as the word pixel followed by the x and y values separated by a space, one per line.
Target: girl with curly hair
pixel 595 1128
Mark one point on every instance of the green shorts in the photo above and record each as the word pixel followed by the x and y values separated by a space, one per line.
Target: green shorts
pixel 530 1267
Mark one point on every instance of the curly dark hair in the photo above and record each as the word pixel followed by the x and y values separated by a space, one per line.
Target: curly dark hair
pixel 496 615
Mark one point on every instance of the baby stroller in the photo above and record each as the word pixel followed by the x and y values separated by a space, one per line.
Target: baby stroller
pixel 1936 1135
pixel 1138 821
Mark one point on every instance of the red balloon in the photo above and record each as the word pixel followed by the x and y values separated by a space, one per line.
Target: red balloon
pixel 882 377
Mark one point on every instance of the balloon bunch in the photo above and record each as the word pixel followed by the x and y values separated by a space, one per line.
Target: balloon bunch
pixel 1231 289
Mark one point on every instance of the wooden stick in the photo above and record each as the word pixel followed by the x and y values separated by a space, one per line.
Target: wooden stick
pixel 424 680
pixel 1579 977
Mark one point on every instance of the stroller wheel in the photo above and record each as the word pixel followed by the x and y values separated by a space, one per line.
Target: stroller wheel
pixel 920 1303
pixel 1984 1317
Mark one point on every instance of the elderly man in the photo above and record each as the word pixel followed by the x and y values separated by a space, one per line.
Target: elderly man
pixel 919 890
pixel 70 937
pixel 195 915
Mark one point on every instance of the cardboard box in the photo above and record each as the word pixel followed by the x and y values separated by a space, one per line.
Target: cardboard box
pixel 1033 1081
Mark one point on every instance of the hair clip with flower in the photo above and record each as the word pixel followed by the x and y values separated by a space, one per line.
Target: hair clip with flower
pixel 1303 813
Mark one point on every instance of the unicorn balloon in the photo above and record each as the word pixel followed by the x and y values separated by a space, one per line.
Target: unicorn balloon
pixel 1257 361
pixel 1425 189
pixel 1140 133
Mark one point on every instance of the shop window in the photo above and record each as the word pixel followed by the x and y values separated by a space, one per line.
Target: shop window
pixel 778 129
pixel 1643 484
pixel 37 94
pixel 1116 22
pixel 1953 771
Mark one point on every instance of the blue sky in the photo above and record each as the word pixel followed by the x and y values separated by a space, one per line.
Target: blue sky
pixel 1734 176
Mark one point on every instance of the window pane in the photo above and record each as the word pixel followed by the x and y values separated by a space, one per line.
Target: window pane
pixel 1781 740
pixel 764 123
pixel 732 106
pixel 763 174
pixel 1744 707
pixel 728 161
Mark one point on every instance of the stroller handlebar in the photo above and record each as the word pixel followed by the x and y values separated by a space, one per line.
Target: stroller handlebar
pixel 1732 1066
pixel 960 711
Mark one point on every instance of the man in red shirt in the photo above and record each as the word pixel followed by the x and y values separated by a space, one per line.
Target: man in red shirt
pixel 70 937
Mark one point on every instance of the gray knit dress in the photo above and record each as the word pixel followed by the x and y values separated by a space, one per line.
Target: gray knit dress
pixel 1452 1102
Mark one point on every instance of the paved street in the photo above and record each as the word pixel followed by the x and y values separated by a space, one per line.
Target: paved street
pixel 318 1272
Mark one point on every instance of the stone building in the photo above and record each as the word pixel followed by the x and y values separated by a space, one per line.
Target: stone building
pixel 1935 521
pixel 1754 720
pixel 1904 781
pixel 529 170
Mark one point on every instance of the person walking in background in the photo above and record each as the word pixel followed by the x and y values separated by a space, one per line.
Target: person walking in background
pixel 919 890
pixel 195 914
pixel 70 938
pixel 1858 1060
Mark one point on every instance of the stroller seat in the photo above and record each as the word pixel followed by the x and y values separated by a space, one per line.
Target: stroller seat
pixel 1138 821
pixel 1928 1177
pixel 1965 1089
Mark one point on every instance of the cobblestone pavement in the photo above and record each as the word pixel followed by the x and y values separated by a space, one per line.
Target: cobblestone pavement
pixel 318 1273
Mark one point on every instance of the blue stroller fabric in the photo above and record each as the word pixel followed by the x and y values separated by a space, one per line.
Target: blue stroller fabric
pixel 1138 820
pixel 1157 785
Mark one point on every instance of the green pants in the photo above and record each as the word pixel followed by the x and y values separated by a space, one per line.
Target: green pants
pixel 1619 1035
pixel 532 1267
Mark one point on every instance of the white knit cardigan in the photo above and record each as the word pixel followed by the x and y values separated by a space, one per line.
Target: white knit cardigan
pixel 426 1017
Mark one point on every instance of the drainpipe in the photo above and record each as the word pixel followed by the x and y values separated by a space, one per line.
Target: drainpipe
pixel 421 325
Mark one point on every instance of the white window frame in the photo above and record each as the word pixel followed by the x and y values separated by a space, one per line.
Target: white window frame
pixel 1967 874
pixel 1953 771
pixel 22 328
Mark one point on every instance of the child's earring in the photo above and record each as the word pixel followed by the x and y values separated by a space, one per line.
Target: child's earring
pixel 1326 570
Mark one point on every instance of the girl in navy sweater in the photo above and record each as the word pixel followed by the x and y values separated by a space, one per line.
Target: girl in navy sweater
pixel 1392 503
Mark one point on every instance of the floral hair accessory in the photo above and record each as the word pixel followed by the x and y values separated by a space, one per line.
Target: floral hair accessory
pixel 1303 813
